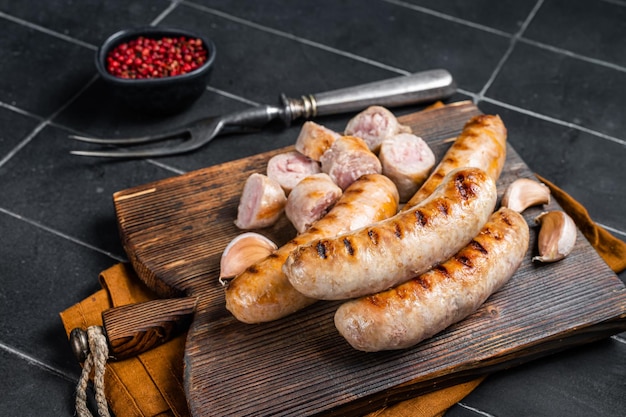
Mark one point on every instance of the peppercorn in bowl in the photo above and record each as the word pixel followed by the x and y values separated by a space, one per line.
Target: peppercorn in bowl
pixel 156 70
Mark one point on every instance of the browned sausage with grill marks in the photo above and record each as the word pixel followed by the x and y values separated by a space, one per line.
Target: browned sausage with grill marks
pixel 384 254
pixel 481 144
pixel 423 306
pixel 262 292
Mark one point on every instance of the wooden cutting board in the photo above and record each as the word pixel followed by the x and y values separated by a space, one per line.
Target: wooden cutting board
pixel 175 230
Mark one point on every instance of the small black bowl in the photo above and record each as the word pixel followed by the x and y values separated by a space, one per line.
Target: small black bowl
pixel 164 95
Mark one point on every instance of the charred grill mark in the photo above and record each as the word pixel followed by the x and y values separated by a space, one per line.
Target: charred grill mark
pixel 273 255
pixel 421 218
pixel 375 300
pixel 252 269
pixel 460 146
pixel 373 235
pixel 443 206
pixel 442 270
pixel 397 230
pixel 464 188
pixel 438 174
pixel 355 191
pixel 477 246
pixel 465 261
pixel 506 219
pixel 348 245
pixel 422 282
pixel 321 249
pixel 450 160
pixel 402 292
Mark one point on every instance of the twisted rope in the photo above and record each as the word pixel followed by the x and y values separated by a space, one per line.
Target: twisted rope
pixel 97 359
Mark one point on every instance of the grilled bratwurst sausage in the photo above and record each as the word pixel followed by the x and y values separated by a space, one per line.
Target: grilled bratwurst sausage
pixel 481 144
pixel 262 292
pixel 423 306
pixel 379 256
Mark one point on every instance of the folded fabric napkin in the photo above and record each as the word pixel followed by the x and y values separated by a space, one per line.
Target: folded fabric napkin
pixel 151 384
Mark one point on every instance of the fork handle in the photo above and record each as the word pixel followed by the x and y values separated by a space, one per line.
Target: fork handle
pixel 416 88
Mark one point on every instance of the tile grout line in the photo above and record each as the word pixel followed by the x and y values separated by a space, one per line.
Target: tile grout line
pixel 38 363
pixel 509 50
pixel 555 120
pixel 299 39
pixel 571 54
pixel 173 5
pixel 61 235
pixel 448 17
pixel 44 123
pixel 47 31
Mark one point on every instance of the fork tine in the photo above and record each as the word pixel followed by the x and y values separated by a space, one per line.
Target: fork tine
pixel 181 133
pixel 193 136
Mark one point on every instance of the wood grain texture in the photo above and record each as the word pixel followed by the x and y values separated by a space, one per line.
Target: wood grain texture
pixel 174 231
pixel 135 328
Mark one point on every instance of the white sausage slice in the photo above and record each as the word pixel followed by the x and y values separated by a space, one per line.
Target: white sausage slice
pixel 374 125
pixel 310 200
pixel 289 168
pixel 262 203
pixel 315 139
pixel 348 159
pixel 407 160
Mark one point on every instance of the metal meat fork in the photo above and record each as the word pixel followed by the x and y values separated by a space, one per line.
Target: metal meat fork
pixel 399 91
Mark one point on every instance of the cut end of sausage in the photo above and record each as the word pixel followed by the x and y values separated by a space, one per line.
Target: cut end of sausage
pixel 407 160
pixel 374 125
pixel 262 203
pixel 289 168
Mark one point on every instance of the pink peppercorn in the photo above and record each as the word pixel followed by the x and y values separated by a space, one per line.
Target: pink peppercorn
pixel 145 57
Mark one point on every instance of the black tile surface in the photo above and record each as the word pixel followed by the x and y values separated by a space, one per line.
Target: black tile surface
pixel 600 35
pixel 507 16
pixel 555 70
pixel 40 72
pixel 563 87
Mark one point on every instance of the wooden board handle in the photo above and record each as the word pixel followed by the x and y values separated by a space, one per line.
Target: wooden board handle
pixel 136 328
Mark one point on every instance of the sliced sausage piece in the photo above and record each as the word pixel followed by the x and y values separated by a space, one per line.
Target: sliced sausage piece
pixel 348 159
pixel 481 144
pixel 310 200
pixel 427 304
pixel 387 253
pixel 262 292
pixel 289 168
pixel 262 203
pixel 315 139
pixel 374 125
pixel 407 160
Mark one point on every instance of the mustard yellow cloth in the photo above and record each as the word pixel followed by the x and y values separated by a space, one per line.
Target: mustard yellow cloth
pixel 151 384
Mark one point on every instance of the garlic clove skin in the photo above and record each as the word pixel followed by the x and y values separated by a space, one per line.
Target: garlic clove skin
pixel 557 236
pixel 242 252
pixel 523 193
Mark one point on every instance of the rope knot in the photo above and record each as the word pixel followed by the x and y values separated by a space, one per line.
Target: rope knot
pixel 96 359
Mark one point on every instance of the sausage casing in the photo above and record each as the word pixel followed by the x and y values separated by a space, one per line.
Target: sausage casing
pixel 262 292
pixel 481 144
pixel 423 306
pixel 379 256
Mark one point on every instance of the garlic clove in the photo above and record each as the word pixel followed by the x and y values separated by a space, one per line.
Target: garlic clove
pixel 557 236
pixel 523 193
pixel 242 252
